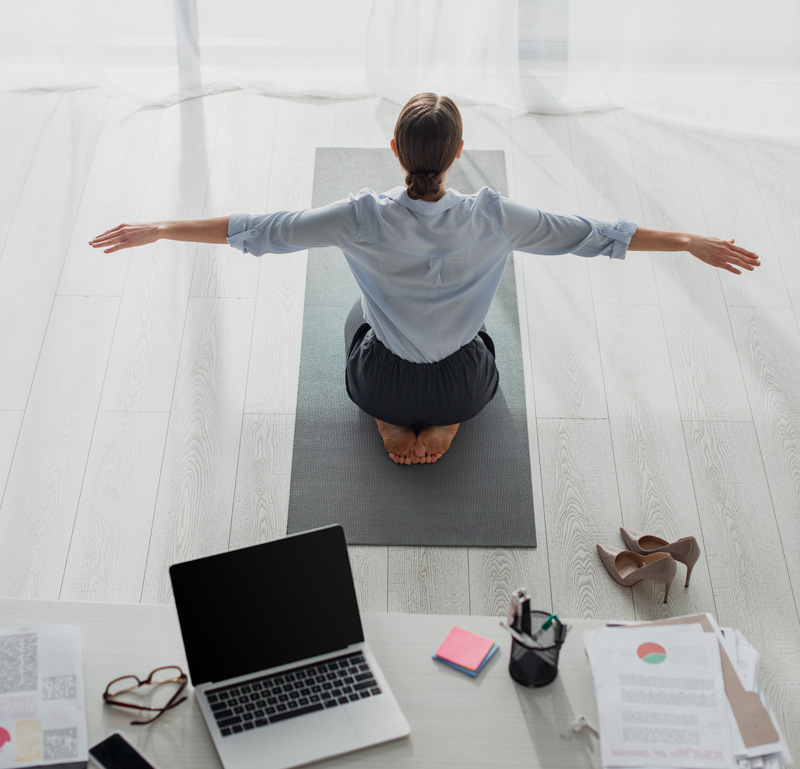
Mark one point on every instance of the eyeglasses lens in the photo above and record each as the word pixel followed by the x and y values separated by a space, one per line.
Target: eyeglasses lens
pixel 163 675
pixel 123 685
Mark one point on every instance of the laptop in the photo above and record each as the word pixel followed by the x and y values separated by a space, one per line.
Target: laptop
pixel 277 655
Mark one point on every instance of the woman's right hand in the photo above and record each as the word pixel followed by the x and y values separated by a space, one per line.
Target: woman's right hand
pixel 126 236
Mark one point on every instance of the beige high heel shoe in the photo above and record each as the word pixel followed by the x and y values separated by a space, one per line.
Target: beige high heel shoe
pixel 628 567
pixel 686 550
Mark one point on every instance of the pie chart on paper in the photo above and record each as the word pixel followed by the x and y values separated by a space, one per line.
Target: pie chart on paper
pixel 651 653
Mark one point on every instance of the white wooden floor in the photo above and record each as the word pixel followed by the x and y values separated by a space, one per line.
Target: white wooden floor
pixel 147 397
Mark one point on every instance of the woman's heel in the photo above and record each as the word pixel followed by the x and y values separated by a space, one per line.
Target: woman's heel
pixel 691 559
pixel 666 590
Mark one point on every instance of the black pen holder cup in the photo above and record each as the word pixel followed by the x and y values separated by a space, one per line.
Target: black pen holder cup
pixel 539 666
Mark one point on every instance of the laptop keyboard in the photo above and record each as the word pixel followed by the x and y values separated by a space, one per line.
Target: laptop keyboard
pixel 269 699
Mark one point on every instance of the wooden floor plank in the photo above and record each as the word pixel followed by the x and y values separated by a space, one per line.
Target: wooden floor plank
pixel 777 171
pixel 41 499
pixel 581 506
pixel 10 422
pixel 190 124
pixel 496 572
pixel 277 334
pixel 607 190
pixel 705 365
pixel 75 121
pixel 533 134
pixel 108 549
pixel 147 340
pixel 769 349
pixel 22 116
pixel 304 124
pixel 365 123
pixel 748 571
pixel 651 136
pixel 370 573
pixel 636 364
pixel 261 503
pixel 30 267
pixel 487 127
pixel 428 580
pixel 198 478
pixel 565 357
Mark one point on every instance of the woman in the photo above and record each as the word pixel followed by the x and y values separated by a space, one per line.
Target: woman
pixel 428 261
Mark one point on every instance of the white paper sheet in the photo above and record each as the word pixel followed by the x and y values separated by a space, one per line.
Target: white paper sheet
pixel 661 698
pixel 42 711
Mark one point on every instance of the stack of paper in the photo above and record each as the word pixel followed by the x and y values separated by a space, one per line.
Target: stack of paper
pixel 465 651
pixel 682 693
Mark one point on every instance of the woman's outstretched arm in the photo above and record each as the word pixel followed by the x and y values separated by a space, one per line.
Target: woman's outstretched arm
pixel 718 253
pixel 142 233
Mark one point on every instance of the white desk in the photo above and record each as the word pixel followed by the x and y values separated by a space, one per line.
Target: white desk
pixel 456 721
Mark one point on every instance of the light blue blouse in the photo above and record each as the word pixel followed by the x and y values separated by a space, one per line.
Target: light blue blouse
pixel 427 270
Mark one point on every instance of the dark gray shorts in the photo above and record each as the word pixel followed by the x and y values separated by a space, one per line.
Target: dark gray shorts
pixel 400 392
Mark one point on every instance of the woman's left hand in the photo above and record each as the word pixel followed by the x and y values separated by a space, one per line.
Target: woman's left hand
pixel 722 253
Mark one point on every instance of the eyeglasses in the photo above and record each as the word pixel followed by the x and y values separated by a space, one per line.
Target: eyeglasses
pixel 170 674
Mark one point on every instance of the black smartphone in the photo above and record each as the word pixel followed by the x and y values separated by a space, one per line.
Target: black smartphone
pixel 115 752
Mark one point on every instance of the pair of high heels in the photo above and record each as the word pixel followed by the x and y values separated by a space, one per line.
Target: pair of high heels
pixel 649 557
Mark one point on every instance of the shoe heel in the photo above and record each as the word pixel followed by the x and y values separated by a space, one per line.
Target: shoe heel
pixel 690 561
pixel 666 590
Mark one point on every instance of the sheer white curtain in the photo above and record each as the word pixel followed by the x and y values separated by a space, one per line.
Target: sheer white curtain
pixel 467 49
pixel 721 62
pixel 161 51
pixel 727 63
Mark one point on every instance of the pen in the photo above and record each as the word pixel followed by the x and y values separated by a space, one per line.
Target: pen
pixel 525 640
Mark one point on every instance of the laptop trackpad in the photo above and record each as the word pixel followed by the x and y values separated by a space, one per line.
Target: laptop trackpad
pixel 303 739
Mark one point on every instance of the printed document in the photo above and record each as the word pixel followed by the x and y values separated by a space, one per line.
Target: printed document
pixel 661 698
pixel 42 712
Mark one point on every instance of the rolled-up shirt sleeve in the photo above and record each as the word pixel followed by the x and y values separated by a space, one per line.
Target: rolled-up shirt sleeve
pixel 539 232
pixel 285 231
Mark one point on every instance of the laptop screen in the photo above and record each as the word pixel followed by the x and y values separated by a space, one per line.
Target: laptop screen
pixel 266 605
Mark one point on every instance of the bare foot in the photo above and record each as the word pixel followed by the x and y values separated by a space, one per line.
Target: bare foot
pixel 433 441
pixel 399 442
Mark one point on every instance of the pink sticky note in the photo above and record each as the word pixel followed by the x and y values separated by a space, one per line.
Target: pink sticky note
pixel 464 648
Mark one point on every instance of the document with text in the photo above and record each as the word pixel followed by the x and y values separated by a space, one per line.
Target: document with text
pixel 42 711
pixel 661 698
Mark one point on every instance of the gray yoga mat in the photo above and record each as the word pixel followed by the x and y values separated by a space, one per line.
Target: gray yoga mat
pixel 479 493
